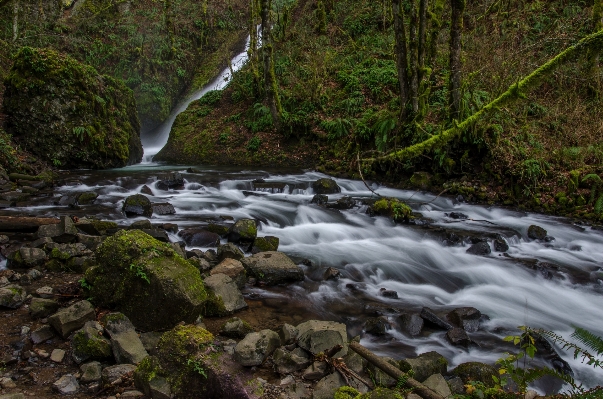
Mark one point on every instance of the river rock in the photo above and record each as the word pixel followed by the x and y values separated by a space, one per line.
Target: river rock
pixel 236 328
pixel 127 346
pixel 143 224
pixel 66 385
pixel 476 371
pixel 88 343
pixel 12 296
pixel 458 337
pixel 429 316
pixel 25 258
pixel 411 323
pixel 163 208
pixel 40 307
pixel 379 376
pixel 86 198
pixel 137 205
pixel 501 245
pixel 146 280
pixel 273 268
pixel 318 336
pixel 480 248
pixel 343 203
pixel 288 334
pixel 319 199
pixel 536 232
pixel 263 244
pixel 326 387
pixel 331 274
pixel 173 181
pixel 325 186
pixel 376 326
pixel 315 371
pixel 63 232
pixel 90 242
pixel 286 362
pixel 229 250
pixel 223 296
pixel 70 319
pixel 466 318
pixel 146 190
pixel 42 334
pixel 91 372
pixel 256 347
pixel 437 383
pixel 244 231
pixel 113 373
pixel 199 238
pixel 233 269
pixel 425 365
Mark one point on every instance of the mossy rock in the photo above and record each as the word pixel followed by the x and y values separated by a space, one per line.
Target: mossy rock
pixel 87 198
pixel 67 114
pixel 146 280
pixel 243 231
pixel 137 205
pixel 393 208
pixel 421 180
pixel 88 344
pixel 326 186
pixel 263 244
pixel 378 393
pixel 476 371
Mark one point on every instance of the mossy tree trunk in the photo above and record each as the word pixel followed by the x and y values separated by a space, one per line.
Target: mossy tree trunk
pixel 253 46
pixel 456 27
pixel 270 86
pixel 15 20
pixel 593 55
pixel 401 56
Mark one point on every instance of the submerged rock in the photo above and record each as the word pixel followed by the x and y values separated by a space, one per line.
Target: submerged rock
pixel 65 113
pixel 536 232
pixel 146 280
pixel 325 186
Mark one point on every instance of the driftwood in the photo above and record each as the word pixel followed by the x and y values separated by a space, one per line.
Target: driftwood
pixel 418 388
pixel 24 224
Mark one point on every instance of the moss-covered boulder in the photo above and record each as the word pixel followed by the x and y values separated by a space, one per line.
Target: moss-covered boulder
pixel 244 231
pixel 326 186
pixel 68 115
pixel 393 208
pixel 137 205
pixel 146 280
pixel 188 366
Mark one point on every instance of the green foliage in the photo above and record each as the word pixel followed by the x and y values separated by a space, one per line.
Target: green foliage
pixel 596 188
pixel 588 339
pixel 261 120
pixel 254 144
pixel 210 98
pixel 84 283
pixel 139 272
pixel 223 138
pixel 336 128
pixel 197 367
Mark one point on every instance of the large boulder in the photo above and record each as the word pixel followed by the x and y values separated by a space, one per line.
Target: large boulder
pixel 67 320
pixel 317 336
pixel 199 238
pixel 67 114
pixel 146 280
pixel 425 365
pixel 137 205
pixel 256 347
pixel 173 181
pixel 224 297
pixel 325 186
pixel 25 258
pixel 273 268
pixel 12 296
pixel 244 231
pixel 233 269
pixel 187 367
pixel 476 371
pixel 63 232
pixel 127 346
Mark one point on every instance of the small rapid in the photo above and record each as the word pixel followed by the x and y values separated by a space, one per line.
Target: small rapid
pixel 552 285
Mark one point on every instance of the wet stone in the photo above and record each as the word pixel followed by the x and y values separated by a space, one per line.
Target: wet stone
pixel 66 385
pixel 411 323
pixel 458 337
pixel 164 208
pixel 480 248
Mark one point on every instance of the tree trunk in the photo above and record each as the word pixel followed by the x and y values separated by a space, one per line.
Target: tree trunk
pixel 418 388
pixel 15 20
pixel 401 57
pixel 253 47
pixel 422 36
pixel 414 58
pixel 456 27
pixel 436 25
pixel 270 86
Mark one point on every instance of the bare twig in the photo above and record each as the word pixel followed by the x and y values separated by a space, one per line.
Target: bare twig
pixel 362 177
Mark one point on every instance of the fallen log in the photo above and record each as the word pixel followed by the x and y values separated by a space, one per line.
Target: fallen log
pixel 418 388
pixel 24 224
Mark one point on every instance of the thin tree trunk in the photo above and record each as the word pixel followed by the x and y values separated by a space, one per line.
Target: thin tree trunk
pixel 436 24
pixel 401 57
pixel 253 47
pixel 422 36
pixel 418 388
pixel 15 20
pixel 414 58
pixel 456 27
pixel 270 86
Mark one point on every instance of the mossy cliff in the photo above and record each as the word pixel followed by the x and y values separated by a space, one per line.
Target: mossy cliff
pixel 147 281
pixel 67 114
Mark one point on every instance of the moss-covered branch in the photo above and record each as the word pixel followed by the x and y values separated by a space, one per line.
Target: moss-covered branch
pixel 591 42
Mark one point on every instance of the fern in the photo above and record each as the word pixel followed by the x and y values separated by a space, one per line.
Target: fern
pixel 599 205
pixel 592 176
pixel 583 336
pixel 588 339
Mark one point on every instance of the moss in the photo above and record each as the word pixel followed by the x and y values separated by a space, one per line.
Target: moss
pixel 91 346
pixel 214 307
pixel 87 198
pixel 218 229
pixel 148 369
pixel 57 254
pixel 393 208
pixel 102 225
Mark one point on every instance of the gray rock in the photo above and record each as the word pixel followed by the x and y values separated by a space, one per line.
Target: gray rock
pixel 458 337
pixel 66 385
pixel 137 205
pixel 262 244
pixel 233 269
pixel 480 248
pixel 286 362
pixel 7 383
pixel 87 198
pixel 159 388
pixel 288 334
pixel 35 274
pixel 430 316
pixel 229 250
pixel 325 186
pixel 315 371
pixel 236 328
pixel 67 251
pixel 536 232
pixel 466 318
pixel 91 372
pixel 57 355
pixel 331 274
pixel 160 235
pixel 199 238
pixel 144 224
pixel 40 307
pixel 91 242
pixel 425 365
pixel 437 383
pixel 150 340
pixel 63 232
pixel 501 245
pixel 223 296
pixel 273 268
pixel 256 347
pixel 89 343
pixel 325 388
pixel 26 258
pixel 380 377
pixel 319 199
pixel 42 334
pixel 411 323
pixel 171 181
pixel 318 336
pixel 113 373
pixel 70 319
pixel 4 281
pixel 376 325
pixel 45 292
pixel 456 385
pixel 13 396
pixel 355 362
pixel 12 296
pixel 163 208
pixel 41 242
pixel 146 190
pixel 475 371
pixel 243 231
pixel 200 263
pixel 4 239
pixel 127 346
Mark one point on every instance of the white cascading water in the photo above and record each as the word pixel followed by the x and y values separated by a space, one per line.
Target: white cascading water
pixel 376 253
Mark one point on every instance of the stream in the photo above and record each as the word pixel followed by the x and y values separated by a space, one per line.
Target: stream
pixel 551 285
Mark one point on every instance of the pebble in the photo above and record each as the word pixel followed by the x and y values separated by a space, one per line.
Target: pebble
pixel 57 355
pixel 25 330
pixel 45 292
pixel 7 383
pixel 42 353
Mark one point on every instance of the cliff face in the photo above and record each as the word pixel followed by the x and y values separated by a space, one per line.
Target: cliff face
pixel 68 115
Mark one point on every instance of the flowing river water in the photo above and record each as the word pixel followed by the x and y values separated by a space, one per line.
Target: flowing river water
pixel 551 285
